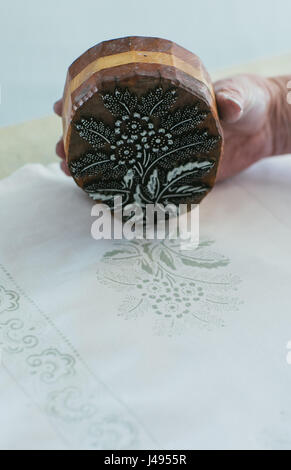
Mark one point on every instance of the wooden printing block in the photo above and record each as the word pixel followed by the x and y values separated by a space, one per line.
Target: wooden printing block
pixel 140 121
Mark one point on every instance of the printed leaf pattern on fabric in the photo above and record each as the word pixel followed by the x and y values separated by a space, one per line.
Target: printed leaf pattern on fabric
pixel 177 287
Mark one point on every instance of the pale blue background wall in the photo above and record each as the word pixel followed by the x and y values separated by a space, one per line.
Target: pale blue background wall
pixel 39 39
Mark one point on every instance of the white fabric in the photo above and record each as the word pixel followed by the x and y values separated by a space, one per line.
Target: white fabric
pixel 89 359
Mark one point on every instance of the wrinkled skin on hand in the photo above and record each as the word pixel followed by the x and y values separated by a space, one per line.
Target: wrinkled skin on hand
pixel 254 120
pixel 244 104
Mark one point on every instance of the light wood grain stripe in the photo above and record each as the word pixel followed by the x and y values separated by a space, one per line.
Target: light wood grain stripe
pixel 130 57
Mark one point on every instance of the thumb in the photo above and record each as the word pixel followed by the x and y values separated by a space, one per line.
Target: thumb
pixel 230 108
pixel 230 101
pixel 243 99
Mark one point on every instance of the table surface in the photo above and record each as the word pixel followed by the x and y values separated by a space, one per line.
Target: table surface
pixel 34 141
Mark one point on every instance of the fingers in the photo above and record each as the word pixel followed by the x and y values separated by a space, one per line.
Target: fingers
pixel 65 168
pixel 230 100
pixel 60 149
pixel 230 109
pixel 243 101
pixel 58 107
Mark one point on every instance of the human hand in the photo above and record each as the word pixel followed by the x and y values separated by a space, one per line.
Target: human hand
pixel 60 149
pixel 245 106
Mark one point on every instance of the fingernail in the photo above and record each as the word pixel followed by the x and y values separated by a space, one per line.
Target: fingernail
pixel 230 107
pixel 230 97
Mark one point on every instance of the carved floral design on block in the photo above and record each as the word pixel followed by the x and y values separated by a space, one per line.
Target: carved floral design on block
pixel 153 154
